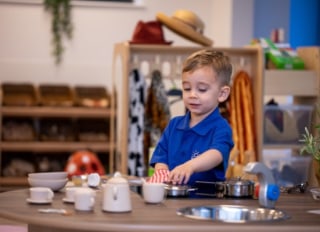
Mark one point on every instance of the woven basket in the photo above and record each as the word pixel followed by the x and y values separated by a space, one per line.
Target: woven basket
pixel 56 95
pixel 19 94
pixel 92 97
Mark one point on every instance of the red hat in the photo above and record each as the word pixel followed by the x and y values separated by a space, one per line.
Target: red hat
pixel 148 33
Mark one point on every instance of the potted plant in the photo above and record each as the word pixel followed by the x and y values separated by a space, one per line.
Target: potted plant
pixel 311 145
pixel 61 25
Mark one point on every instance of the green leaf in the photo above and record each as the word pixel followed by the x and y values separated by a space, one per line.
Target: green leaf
pixel 61 25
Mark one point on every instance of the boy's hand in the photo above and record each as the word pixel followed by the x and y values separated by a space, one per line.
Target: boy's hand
pixel 181 174
pixel 160 176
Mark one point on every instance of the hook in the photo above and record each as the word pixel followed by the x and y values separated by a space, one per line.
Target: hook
pixel 174 91
pixel 242 62
pixel 135 62
pixel 156 63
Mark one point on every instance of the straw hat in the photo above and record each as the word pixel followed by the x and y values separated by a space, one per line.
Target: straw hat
pixel 148 33
pixel 187 24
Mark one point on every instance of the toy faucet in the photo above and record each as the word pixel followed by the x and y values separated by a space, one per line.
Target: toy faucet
pixel 269 192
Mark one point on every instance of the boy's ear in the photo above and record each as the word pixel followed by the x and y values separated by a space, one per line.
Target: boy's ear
pixel 224 93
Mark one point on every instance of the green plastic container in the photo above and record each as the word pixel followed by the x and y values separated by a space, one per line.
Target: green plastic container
pixel 281 59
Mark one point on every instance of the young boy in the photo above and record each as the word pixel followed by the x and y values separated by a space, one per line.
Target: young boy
pixel 196 146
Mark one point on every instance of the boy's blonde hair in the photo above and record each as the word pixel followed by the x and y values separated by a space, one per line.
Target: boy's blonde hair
pixel 208 57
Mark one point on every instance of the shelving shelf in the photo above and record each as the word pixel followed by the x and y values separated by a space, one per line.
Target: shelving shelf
pixel 125 59
pixel 281 146
pixel 291 82
pixel 301 85
pixel 52 148
pixel 45 111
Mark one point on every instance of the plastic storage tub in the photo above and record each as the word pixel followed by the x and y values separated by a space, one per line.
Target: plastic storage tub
pixel 285 124
pixel 287 169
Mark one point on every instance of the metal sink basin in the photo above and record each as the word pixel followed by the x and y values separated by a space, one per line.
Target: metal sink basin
pixel 232 213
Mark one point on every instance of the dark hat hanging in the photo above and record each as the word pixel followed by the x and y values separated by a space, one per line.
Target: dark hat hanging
pixel 148 33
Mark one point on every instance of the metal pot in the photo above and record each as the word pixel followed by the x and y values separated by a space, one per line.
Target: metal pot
pixel 178 190
pixel 239 188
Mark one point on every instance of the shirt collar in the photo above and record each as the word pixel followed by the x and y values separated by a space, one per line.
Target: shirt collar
pixel 201 128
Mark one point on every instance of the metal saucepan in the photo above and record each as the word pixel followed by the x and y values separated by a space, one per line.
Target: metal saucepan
pixel 238 188
pixel 178 190
pixel 235 187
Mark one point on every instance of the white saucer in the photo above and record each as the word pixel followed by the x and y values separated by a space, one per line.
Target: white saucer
pixel 66 200
pixel 31 201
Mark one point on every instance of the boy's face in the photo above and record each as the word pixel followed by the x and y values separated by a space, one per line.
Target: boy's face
pixel 202 91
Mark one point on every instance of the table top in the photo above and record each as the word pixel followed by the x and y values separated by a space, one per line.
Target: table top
pixel 156 217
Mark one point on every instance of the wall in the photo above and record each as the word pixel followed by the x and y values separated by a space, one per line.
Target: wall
pixel 269 15
pixel 304 23
pixel 25 37
pixel 300 20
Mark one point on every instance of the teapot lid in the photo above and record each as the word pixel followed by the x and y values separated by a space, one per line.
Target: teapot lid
pixel 117 179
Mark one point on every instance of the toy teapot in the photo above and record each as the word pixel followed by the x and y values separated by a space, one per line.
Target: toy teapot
pixel 116 195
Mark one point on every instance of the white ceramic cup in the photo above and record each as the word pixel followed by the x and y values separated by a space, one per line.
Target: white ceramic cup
pixel 41 194
pixel 153 192
pixel 84 199
pixel 69 193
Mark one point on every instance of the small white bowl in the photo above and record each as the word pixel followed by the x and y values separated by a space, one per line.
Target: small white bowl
pixel 48 175
pixel 315 193
pixel 55 185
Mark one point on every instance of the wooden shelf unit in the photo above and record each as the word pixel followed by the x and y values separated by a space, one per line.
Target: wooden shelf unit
pixel 289 82
pixel 302 85
pixel 127 57
pixel 54 147
pixel 46 111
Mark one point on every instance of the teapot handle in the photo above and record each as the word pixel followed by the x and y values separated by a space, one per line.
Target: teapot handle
pixel 115 192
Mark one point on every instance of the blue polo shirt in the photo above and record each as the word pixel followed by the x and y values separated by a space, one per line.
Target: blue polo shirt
pixel 180 143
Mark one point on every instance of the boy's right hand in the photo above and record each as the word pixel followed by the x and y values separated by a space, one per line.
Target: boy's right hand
pixel 159 176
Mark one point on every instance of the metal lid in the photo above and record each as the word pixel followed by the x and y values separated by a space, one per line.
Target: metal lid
pixel 117 179
pixel 239 182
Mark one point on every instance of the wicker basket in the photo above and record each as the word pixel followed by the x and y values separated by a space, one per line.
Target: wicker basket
pixel 56 95
pixel 92 97
pixel 19 95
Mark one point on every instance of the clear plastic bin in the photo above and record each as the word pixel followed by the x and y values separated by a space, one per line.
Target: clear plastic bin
pixel 285 124
pixel 287 169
